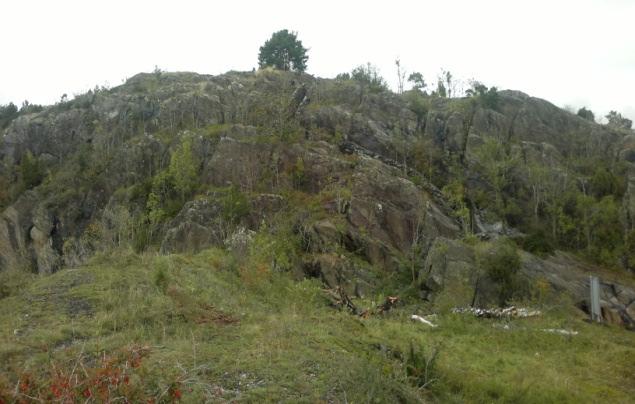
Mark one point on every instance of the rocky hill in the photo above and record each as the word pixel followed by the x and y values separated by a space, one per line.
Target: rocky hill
pixel 356 171
pixel 445 202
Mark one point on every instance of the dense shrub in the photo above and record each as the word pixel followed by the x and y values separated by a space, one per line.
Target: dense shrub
pixel 500 262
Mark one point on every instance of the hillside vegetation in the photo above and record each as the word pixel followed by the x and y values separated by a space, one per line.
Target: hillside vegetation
pixel 266 236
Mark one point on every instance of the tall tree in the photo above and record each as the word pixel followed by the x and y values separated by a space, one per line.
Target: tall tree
pixel 448 79
pixel 401 75
pixel 616 120
pixel 283 51
pixel 418 83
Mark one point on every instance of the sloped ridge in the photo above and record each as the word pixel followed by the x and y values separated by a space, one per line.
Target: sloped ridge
pixel 350 170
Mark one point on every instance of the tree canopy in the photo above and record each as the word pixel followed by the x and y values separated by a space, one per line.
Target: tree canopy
pixel 616 120
pixel 418 83
pixel 586 114
pixel 369 75
pixel 283 51
pixel 488 97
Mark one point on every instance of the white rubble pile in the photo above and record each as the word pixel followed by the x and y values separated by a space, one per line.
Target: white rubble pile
pixel 511 311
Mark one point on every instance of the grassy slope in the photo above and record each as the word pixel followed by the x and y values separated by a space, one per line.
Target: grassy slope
pixel 210 328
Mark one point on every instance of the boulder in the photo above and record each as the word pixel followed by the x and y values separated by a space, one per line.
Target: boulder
pixel 198 225
pixel 30 237
pixel 450 274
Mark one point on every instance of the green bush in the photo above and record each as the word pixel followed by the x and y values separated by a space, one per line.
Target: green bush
pixel 142 236
pixel 161 277
pixel 500 262
pixel 538 242
pixel 298 174
pixel 31 171
pixel 368 75
pixel 235 205
pixel 421 368
pixel 7 114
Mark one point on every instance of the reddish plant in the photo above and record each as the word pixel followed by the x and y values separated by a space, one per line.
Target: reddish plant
pixel 109 379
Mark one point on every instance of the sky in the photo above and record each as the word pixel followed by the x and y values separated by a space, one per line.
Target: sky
pixel 573 53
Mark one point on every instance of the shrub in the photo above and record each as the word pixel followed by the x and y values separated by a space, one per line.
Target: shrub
pixel 500 262
pixel 368 75
pixel 487 97
pixel 31 171
pixel 184 169
pixel 161 277
pixel 235 205
pixel 538 242
pixel 298 174
pixel 7 114
pixel 421 368
pixel 586 114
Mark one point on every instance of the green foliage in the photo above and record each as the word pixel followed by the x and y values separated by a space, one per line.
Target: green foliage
pixel 343 76
pixel 419 105
pixel 421 367
pixel 601 225
pixel 617 121
pixel 499 166
pixel 418 83
pixel 28 108
pixel 156 213
pixel 368 76
pixel 441 91
pixel 31 171
pixel 13 280
pixel 161 278
pixel 429 160
pixel 298 174
pixel 283 51
pixel 235 205
pixel 160 201
pixel 456 195
pixel 7 114
pixel 487 97
pixel 142 235
pixel 243 321
pixel 628 258
pixel 184 169
pixel 538 242
pixel 604 183
pixel 172 187
pixel 586 114
pixel 500 262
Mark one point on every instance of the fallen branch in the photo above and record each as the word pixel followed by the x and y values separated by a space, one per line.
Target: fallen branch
pixel 339 298
pixel 422 320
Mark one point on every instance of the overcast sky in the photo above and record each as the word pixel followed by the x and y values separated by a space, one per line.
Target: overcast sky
pixel 577 53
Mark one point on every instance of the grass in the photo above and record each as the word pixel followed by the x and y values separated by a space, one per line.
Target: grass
pixel 212 328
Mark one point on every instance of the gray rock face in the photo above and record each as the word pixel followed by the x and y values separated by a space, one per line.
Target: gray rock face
pixel 566 273
pixel 337 272
pixel 199 225
pixel 29 237
pixel 450 266
pixel 348 154
pixel 393 209
pixel 450 270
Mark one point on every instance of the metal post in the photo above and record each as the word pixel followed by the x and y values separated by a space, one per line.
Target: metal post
pixel 596 311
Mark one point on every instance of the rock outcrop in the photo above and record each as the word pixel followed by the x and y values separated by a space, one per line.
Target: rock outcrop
pixel 273 136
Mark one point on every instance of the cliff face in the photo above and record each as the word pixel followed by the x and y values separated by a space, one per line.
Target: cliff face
pixel 351 174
